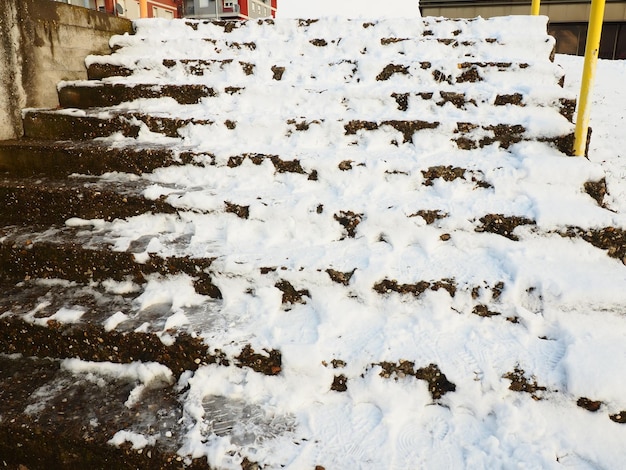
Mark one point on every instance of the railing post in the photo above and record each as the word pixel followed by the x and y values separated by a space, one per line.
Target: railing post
pixel 143 8
pixel 589 73
pixel 534 7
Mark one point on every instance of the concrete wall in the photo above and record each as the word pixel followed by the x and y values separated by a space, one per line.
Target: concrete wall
pixel 41 43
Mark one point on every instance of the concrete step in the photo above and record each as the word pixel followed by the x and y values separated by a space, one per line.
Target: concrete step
pixel 100 67
pixel 78 125
pixel 350 37
pixel 383 95
pixel 327 72
pixel 111 309
pixel 93 343
pixel 82 256
pixel 427 27
pixel 109 416
pixel 44 399
pixel 27 158
pixel 111 94
pixel 56 159
pixel 229 47
pixel 122 322
pixel 44 202
pixel 83 125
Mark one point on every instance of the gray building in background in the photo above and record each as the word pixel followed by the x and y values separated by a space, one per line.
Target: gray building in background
pixel 568 20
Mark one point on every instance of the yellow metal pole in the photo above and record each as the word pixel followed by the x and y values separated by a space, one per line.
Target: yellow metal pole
pixel 534 7
pixel 143 8
pixel 589 74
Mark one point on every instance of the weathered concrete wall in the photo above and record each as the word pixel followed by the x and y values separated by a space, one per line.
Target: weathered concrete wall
pixel 41 43
pixel 12 96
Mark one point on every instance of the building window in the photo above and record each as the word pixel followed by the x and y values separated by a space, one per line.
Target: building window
pixel 571 38
pixel 620 46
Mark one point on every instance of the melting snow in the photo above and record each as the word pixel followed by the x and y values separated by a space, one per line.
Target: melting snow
pixel 550 310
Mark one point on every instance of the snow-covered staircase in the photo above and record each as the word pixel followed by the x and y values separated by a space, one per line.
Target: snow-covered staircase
pixel 230 214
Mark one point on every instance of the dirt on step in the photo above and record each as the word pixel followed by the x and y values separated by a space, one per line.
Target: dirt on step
pixel 407 128
pixel 619 417
pixel 269 363
pixel 340 277
pixel 447 173
pixel 483 311
pixel 350 220
pixel 340 383
pixel 430 216
pixel 278 72
pixel 515 99
pixel 243 212
pixel 597 190
pixel 503 225
pixel 520 383
pixel 290 294
pixel 438 383
pixel 402 99
pixel 611 239
pixel 589 405
pixel 391 285
pixel 390 70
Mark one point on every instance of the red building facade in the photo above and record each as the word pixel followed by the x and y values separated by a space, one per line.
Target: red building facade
pixel 203 9
pixel 252 9
pixel 230 9
pixel 130 8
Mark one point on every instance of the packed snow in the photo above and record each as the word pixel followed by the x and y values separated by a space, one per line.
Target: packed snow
pixel 560 323
pixel 607 121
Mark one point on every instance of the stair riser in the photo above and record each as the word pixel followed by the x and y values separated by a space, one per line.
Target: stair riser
pixel 23 159
pixel 328 74
pixel 41 206
pixel 93 343
pixel 26 260
pixel 195 67
pixel 102 95
pixel 76 96
pixel 41 125
pixel 65 127
pixel 28 444
pixel 86 414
